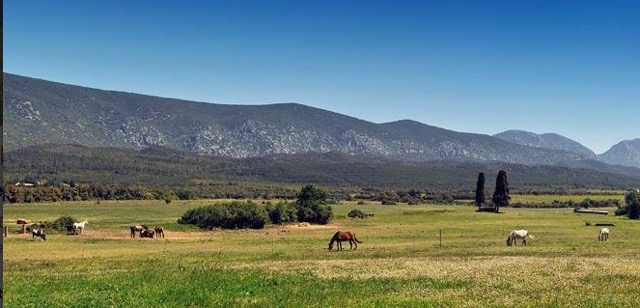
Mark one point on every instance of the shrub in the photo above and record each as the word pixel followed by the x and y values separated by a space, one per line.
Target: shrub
pixel 234 215
pixel 281 212
pixel 64 223
pixel 622 210
pixel 312 207
pixel 357 214
pixel 186 195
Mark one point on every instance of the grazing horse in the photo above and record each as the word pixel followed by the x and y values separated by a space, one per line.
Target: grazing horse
pixel 604 234
pixel 159 231
pixel 137 228
pixel 38 233
pixel 518 234
pixel 78 227
pixel 147 233
pixel 344 236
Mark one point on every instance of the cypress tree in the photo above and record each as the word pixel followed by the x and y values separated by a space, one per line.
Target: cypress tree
pixel 501 193
pixel 480 190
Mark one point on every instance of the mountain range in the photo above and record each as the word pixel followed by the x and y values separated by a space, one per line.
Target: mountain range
pixel 38 112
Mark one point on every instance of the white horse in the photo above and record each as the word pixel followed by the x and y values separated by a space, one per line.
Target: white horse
pixel 604 234
pixel 78 227
pixel 518 234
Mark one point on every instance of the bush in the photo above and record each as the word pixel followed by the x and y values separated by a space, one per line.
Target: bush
pixel 64 223
pixel 357 214
pixel 234 215
pixel 281 213
pixel 622 210
pixel 186 195
pixel 312 207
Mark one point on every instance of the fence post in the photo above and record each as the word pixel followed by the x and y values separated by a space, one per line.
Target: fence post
pixel 440 237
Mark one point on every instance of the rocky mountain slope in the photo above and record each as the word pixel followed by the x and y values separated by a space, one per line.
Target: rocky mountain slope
pixel 547 141
pixel 626 153
pixel 38 111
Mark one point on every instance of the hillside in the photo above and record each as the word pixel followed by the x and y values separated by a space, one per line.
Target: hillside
pixel 38 112
pixel 160 166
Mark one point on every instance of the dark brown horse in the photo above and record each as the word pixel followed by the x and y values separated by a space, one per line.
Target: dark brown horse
pixel 159 231
pixel 342 237
pixel 147 233
pixel 137 228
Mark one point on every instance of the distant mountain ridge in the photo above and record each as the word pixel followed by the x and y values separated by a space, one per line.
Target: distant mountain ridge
pixel 43 112
pixel 627 153
pixel 547 141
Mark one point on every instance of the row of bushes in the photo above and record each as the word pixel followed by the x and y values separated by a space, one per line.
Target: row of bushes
pixel 83 192
pixel 62 224
pixel 586 203
pixel 233 215
pixel 311 207
pixel 243 215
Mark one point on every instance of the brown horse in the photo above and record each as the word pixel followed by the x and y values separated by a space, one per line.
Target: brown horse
pixel 147 233
pixel 344 236
pixel 137 228
pixel 159 231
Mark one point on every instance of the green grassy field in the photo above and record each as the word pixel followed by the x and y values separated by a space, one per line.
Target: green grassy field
pixel 402 262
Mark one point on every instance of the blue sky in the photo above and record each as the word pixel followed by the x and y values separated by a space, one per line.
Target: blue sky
pixel 569 67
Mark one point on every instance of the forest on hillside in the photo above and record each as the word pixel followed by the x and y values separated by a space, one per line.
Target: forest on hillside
pixel 72 172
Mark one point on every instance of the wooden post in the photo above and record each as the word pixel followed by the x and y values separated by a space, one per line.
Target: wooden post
pixel 440 237
pixel 6 231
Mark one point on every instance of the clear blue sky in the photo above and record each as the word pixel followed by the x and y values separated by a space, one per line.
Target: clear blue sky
pixel 569 67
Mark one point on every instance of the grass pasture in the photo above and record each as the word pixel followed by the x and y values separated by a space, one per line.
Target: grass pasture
pixel 402 262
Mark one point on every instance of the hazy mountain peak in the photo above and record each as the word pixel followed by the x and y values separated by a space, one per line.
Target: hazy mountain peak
pixel 547 140
pixel 626 152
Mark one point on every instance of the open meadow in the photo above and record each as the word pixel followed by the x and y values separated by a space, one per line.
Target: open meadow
pixel 411 256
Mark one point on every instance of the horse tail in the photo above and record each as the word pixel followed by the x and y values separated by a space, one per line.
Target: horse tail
pixel 355 239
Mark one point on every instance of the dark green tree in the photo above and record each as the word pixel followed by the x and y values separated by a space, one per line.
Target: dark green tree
pixel 312 206
pixel 501 193
pixel 632 199
pixel 480 198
